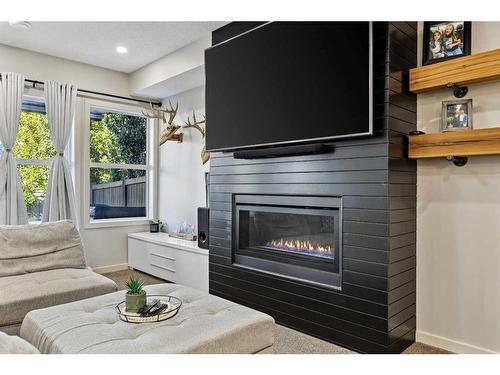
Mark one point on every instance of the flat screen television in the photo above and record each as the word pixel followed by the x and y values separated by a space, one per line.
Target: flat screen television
pixel 289 83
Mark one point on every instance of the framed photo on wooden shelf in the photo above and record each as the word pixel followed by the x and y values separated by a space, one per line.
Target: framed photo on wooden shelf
pixel 444 40
pixel 456 115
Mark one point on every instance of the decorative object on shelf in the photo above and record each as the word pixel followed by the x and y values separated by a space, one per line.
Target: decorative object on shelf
pixel 156 309
pixel 456 115
pixel 184 231
pixel 444 40
pixel 170 131
pixel 155 225
pixel 205 156
pixel 135 298
pixel 184 236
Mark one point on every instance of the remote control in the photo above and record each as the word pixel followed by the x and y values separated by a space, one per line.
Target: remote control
pixel 146 309
pixel 157 309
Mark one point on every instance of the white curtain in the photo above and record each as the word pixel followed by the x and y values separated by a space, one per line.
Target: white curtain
pixel 12 206
pixel 59 202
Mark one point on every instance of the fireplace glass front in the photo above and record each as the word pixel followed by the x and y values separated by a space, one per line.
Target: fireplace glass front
pixel 300 242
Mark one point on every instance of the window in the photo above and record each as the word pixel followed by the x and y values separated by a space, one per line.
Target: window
pixel 119 168
pixel 33 151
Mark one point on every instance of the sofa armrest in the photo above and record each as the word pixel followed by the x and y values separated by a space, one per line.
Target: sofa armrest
pixel 15 345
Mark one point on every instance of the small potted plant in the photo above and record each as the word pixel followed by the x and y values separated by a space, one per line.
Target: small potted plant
pixel 135 299
pixel 154 226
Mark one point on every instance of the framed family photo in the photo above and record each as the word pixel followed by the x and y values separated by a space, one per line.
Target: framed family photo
pixel 444 40
pixel 456 115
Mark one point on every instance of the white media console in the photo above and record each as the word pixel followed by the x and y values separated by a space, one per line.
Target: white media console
pixel 172 259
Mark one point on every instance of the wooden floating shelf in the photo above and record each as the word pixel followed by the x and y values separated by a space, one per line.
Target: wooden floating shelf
pixel 477 68
pixel 478 142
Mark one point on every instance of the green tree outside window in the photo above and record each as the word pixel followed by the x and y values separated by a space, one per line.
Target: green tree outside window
pixel 116 138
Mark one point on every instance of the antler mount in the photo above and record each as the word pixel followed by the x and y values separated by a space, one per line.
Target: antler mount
pixel 171 129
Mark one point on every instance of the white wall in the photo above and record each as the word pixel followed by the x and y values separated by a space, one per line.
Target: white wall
pixel 182 175
pixel 104 247
pixel 458 227
pixel 41 67
pixel 174 73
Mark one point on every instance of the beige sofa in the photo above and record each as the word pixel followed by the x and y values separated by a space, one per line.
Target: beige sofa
pixel 15 345
pixel 43 265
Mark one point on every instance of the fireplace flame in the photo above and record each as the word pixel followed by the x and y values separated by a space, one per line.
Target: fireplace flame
pixel 300 246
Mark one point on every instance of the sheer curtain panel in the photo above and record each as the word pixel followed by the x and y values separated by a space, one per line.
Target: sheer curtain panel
pixel 60 99
pixel 12 205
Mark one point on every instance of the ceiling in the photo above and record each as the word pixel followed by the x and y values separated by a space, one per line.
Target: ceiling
pixel 95 42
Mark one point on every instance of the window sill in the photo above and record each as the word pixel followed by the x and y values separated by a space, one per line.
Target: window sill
pixel 110 223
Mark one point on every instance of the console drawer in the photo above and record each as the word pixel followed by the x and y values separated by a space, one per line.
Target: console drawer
pixel 152 258
pixel 163 272
pixel 174 260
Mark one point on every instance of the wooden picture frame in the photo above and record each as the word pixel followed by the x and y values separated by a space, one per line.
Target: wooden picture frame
pixel 436 50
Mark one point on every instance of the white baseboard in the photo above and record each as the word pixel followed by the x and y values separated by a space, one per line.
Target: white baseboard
pixel 449 344
pixel 111 268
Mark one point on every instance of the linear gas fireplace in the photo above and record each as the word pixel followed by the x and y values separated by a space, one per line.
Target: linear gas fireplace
pixel 291 236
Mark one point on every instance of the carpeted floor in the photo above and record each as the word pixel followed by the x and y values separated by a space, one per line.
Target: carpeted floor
pixel 288 341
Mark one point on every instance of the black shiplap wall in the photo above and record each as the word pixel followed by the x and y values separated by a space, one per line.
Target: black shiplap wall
pixel 402 118
pixel 375 311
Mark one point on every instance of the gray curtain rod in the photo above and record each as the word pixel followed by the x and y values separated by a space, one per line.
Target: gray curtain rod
pixel 34 82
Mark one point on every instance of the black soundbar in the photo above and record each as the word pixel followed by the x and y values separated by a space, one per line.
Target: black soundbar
pixel 276 152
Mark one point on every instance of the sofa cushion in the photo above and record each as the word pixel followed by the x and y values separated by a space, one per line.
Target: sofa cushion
pixel 22 293
pixel 204 324
pixel 11 329
pixel 39 247
pixel 15 345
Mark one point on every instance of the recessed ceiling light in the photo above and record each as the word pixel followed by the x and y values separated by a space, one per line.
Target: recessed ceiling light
pixel 20 24
pixel 121 49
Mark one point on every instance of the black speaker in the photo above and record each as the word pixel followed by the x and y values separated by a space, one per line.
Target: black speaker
pixel 203 227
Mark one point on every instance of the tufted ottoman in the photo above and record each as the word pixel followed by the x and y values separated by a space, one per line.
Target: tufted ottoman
pixel 204 324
